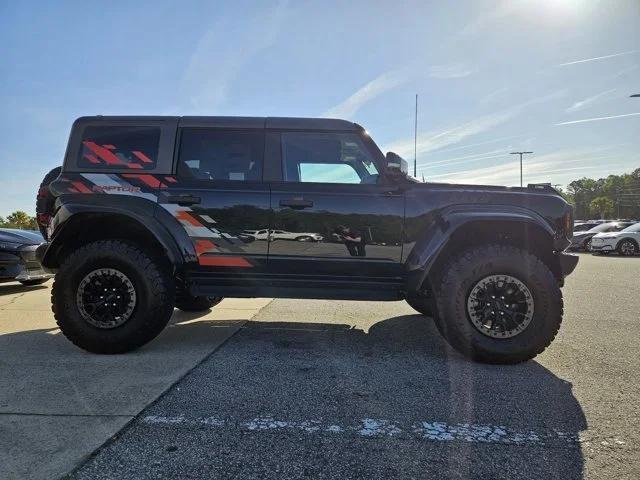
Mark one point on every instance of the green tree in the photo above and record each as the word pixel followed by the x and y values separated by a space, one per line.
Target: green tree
pixel 602 206
pixel 19 219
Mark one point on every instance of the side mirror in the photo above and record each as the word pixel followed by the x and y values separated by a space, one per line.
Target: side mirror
pixel 396 165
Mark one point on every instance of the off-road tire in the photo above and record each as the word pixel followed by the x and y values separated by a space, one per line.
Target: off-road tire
pixel 189 303
pixel 622 250
pixel 155 296
pixel 454 284
pixel 45 201
pixel 421 305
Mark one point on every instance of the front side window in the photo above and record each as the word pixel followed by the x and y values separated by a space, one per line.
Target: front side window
pixel 216 154
pixel 326 158
pixel 121 147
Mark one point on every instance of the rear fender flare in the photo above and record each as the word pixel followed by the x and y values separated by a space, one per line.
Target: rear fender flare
pixel 71 210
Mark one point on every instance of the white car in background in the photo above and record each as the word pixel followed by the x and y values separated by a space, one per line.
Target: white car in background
pixel 625 242
pixel 284 235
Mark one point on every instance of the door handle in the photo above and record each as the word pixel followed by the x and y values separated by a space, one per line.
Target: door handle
pixel 183 200
pixel 296 203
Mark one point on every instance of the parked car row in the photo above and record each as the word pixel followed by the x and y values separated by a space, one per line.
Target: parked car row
pixel 621 236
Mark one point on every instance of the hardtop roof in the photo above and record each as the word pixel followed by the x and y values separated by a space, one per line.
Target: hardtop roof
pixel 289 123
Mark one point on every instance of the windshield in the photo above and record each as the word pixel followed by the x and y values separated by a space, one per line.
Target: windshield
pixel 633 228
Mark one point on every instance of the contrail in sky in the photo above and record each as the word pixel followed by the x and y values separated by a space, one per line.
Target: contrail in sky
pixel 599 118
pixel 597 58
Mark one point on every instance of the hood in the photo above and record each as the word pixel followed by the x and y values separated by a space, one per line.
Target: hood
pixel 606 235
pixel 582 234
pixel 24 237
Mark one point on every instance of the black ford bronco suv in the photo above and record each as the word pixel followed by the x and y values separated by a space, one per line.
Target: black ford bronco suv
pixel 151 213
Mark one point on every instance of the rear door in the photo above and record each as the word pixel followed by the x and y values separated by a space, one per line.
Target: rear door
pixel 219 198
pixel 333 216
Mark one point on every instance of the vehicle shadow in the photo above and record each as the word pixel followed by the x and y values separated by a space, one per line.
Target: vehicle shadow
pixel 12 288
pixel 400 372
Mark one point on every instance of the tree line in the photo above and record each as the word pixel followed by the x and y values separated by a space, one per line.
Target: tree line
pixel 20 220
pixel 616 196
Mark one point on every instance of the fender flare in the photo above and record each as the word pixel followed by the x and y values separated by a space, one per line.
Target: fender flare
pixel 448 221
pixel 160 224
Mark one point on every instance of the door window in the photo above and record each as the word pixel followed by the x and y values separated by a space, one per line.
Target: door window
pixel 216 154
pixel 326 158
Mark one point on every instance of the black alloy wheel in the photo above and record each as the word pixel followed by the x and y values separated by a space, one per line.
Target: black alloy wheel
pixel 500 306
pixel 106 298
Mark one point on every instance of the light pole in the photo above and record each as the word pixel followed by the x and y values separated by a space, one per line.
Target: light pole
pixel 520 153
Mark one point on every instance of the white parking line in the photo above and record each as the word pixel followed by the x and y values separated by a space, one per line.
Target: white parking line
pixel 370 427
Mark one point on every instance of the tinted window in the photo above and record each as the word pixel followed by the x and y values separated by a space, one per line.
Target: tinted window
pixel 326 158
pixel 133 148
pixel 213 154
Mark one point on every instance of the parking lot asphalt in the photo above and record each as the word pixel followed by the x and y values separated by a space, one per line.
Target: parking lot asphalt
pixel 59 403
pixel 318 389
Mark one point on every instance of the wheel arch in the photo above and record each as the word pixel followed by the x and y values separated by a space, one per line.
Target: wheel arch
pixel 461 228
pixel 78 223
pixel 631 239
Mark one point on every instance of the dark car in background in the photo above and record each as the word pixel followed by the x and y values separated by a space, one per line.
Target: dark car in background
pixel 582 240
pixel 584 226
pixel 18 257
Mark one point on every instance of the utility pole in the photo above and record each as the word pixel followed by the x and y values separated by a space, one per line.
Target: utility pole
pixel 520 153
pixel 415 142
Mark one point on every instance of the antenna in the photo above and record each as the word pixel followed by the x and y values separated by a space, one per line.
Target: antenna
pixel 415 143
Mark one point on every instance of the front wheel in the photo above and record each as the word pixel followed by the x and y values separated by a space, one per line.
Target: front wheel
pixel 112 297
pixel 498 304
pixel 627 248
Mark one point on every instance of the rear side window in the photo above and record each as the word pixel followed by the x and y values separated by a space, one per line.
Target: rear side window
pixel 125 147
pixel 217 154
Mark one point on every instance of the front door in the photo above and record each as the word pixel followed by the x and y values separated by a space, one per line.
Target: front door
pixel 219 199
pixel 332 216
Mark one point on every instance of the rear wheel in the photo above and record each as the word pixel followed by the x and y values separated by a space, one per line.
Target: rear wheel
pixel 587 246
pixel 498 304
pixel 112 297
pixel 627 248
pixel 45 201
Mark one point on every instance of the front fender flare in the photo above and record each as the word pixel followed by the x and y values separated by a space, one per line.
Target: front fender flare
pixel 448 221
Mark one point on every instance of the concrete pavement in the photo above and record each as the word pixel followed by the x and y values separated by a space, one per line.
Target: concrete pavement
pixel 59 403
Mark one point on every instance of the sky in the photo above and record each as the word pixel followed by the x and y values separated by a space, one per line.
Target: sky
pixel 550 76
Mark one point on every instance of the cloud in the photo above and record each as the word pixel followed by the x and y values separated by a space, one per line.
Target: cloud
pixel 588 101
pixel 216 60
pixel 599 118
pixel 368 92
pixel 544 168
pixel 452 70
pixel 431 141
pixel 466 158
pixel 594 59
